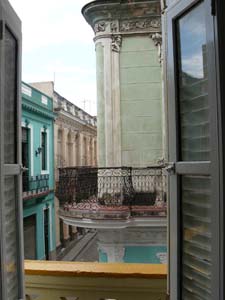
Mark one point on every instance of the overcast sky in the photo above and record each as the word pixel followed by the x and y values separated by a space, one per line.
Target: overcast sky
pixel 57 40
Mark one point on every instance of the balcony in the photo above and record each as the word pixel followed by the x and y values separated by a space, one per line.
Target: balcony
pixel 76 184
pixel 90 197
pixel 35 186
pixel 94 281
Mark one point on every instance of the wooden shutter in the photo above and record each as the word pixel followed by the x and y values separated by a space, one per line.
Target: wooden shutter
pixel 11 254
pixel 193 129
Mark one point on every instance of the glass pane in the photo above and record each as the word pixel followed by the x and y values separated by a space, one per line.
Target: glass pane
pixel 193 86
pixel 10 98
pixel 196 243
pixel 10 229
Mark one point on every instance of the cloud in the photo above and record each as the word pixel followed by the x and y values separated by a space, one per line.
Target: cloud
pixel 193 65
pixel 57 39
pixel 48 22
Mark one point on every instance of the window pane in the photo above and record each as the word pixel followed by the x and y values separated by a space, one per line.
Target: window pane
pixel 196 243
pixel 10 98
pixel 10 229
pixel 193 86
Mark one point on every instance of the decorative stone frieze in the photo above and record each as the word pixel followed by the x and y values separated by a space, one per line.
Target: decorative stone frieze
pixel 100 27
pixel 111 17
pixel 114 26
pixel 150 24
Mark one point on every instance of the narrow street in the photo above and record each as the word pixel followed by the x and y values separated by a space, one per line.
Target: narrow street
pixel 84 250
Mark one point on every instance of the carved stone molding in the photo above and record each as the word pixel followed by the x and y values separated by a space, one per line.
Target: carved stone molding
pixel 141 25
pixel 152 24
pixel 97 13
pixel 116 42
pixel 157 39
pixel 113 27
pixel 100 27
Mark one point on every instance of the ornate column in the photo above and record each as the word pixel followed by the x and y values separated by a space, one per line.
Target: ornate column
pixel 126 35
pixel 78 158
pixel 73 148
pixel 64 146
pixel 83 149
pixel 90 154
pixel 56 129
pixel 66 235
pixel 95 153
pixel 92 151
pixel 88 150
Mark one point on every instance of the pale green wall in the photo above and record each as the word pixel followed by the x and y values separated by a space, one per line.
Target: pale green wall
pixel 141 102
pixel 101 104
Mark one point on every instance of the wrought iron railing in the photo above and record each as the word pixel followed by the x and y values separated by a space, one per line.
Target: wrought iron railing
pixel 124 186
pixel 35 184
pixel 76 184
pixel 131 186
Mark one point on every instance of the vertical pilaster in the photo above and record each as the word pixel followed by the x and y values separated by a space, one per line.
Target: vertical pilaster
pixel 111 95
pixel 82 150
pixel 73 148
pixel 64 146
pixel 56 129
pixel 78 155
pixel 66 234
pixel 92 152
pixel 108 102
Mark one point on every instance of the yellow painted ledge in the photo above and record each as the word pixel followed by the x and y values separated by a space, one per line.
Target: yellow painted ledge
pixel 80 269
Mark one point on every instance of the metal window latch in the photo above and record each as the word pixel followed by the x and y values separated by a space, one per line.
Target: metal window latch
pixel 23 169
pixel 170 168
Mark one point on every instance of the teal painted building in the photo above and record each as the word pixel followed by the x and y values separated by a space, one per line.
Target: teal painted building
pixel 38 178
pixel 140 254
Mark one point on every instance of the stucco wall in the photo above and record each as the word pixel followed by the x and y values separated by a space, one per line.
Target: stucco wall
pixel 141 102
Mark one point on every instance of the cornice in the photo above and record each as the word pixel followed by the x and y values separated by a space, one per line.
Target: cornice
pixel 62 119
pixel 36 110
pixel 65 116
pixel 122 17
